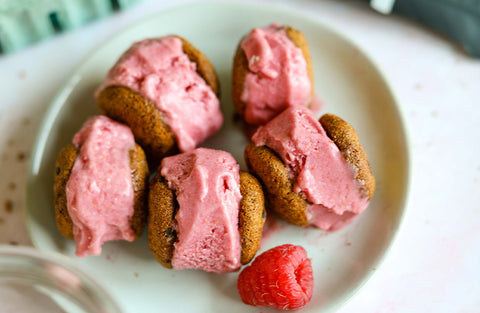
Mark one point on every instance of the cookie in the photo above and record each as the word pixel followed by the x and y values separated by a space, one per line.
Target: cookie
pixel 163 207
pixel 274 175
pixel 144 119
pixel 278 179
pixel 252 216
pixel 147 122
pixel 63 169
pixel 240 67
pixel 346 139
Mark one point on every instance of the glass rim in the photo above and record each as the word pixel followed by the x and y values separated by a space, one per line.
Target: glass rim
pixel 96 294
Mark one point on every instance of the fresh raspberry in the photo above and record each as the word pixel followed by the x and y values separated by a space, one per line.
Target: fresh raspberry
pixel 281 277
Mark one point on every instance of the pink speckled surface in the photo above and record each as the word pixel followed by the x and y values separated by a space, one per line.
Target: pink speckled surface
pixel 433 266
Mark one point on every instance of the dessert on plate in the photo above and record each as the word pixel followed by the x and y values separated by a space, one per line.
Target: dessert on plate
pixel 100 186
pixel 272 70
pixel 314 172
pixel 204 213
pixel 166 91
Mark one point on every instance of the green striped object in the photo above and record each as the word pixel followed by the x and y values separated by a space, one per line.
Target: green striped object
pixel 24 22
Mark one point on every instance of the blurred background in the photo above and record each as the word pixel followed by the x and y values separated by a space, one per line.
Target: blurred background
pixel 25 22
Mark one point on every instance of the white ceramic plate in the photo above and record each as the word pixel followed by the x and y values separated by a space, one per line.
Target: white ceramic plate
pixel 348 84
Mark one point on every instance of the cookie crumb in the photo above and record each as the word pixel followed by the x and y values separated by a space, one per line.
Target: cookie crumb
pixel 236 118
pixel 12 186
pixel 22 74
pixel 13 243
pixel 135 274
pixel 21 156
pixel 348 243
pixel 8 206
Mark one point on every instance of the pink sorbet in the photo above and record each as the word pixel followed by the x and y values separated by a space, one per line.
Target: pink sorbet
pixel 278 76
pixel 320 172
pixel 100 195
pixel 160 71
pixel 207 186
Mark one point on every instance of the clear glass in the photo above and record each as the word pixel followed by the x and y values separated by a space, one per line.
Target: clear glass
pixel 35 281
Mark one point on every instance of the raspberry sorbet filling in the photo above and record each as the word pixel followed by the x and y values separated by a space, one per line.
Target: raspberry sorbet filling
pixel 320 172
pixel 278 75
pixel 160 71
pixel 207 186
pixel 100 195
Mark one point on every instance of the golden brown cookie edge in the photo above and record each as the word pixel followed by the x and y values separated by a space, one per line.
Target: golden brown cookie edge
pixel 204 67
pixel 346 139
pixel 264 164
pixel 63 167
pixel 239 72
pixel 300 42
pixel 144 119
pixel 139 174
pixel 251 216
pixel 162 207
